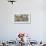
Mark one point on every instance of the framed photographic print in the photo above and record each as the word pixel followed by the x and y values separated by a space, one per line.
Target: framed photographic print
pixel 22 18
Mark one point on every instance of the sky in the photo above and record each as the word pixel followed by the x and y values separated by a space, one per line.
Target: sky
pixel 37 28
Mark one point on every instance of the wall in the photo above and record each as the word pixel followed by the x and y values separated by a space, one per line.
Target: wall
pixel 37 28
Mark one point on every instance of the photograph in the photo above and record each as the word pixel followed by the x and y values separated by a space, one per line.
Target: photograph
pixel 22 18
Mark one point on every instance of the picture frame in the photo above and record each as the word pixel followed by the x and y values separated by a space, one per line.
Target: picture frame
pixel 22 18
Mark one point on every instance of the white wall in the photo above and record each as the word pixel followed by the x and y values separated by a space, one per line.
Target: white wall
pixel 37 28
